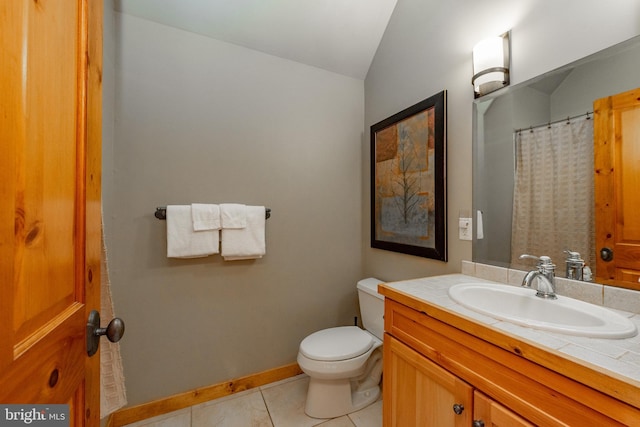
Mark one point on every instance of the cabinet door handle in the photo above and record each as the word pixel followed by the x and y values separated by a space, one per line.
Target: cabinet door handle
pixel 477 423
pixel 458 408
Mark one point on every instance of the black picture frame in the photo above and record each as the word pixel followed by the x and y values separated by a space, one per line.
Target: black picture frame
pixel 408 180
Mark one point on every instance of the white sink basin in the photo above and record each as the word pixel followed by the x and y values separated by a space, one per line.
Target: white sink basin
pixel 521 306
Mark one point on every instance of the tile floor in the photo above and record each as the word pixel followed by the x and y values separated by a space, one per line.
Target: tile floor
pixel 280 404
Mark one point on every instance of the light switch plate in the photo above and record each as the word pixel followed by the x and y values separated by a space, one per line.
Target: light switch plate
pixel 465 228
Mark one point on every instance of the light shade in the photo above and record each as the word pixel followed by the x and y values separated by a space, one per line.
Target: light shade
pixel 490 65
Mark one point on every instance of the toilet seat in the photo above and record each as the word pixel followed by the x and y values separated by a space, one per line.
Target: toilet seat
pixel 341 343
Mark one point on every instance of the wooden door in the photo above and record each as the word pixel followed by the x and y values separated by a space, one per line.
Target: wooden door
pixel 493 414
pixel 617 188
pixel 50 226
pixel 419 393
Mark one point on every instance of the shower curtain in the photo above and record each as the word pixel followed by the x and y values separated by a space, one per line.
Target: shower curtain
pixel 553 193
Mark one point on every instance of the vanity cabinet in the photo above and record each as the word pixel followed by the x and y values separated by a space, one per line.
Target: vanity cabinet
pixel 437 364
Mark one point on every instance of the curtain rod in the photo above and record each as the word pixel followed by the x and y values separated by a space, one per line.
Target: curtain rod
pixel 568 119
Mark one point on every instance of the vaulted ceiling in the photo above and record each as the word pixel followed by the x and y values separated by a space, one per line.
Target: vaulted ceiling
pixel 337 35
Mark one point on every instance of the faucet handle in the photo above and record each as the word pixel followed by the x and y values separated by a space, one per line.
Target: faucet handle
pixel 527 256
pixel 544 262
pixel 573 256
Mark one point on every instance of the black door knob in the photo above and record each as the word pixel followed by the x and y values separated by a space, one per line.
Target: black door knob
pixel 606 254
pixel 114 331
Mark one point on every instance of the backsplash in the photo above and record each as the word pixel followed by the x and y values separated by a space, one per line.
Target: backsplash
pixel 594 293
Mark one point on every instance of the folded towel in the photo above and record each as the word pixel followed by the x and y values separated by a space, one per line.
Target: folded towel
pixel 233 215
pixel 183 241
pixel 205 216
pixel 249 242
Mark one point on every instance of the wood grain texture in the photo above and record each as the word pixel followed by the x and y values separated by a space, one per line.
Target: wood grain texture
pixel 420 393
pixel 45 245
pixel 492 414
pixel 93 199
pixel 616 181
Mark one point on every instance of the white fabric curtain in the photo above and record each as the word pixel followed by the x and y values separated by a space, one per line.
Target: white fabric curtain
pixel 553 207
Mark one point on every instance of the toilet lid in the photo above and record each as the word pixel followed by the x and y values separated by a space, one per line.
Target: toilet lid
pixel 344 342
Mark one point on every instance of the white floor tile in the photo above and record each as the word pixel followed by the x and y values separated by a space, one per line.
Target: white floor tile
pixel 286 404
pixel 371 416
pixel 246 409
pixel 284 381
pixel 337 422
pixel 181 418
pixel 280 404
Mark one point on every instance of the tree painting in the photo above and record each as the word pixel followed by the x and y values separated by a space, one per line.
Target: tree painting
pixel 408 180
pixel 404 181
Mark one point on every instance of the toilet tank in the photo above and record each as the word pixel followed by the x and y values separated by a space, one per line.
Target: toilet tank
pixel 371 306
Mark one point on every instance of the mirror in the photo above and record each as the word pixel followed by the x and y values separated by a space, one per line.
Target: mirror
pixel 567 92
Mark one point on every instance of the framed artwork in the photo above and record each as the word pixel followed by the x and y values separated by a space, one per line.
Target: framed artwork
pixel 408 180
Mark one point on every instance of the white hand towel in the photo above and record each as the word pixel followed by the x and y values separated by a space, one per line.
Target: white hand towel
pixel 205 216
pixel 249 242
pixel 183 241
pixel 479 226
pixel 233 215
pixel 113 395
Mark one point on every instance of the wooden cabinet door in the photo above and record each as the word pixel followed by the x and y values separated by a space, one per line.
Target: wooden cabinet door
pixel 617 187
pixel 418 393
pixel 489 413
pixel 50 124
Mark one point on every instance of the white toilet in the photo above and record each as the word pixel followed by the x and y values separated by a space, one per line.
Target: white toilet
pixel 344 364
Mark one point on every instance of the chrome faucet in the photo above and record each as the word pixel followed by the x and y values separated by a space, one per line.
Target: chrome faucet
pixel 545 273
pixel 575 265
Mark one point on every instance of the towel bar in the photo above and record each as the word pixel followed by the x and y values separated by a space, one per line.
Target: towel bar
pixel 161 213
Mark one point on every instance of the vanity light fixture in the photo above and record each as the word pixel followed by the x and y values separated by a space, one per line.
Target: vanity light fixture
pixel 491 64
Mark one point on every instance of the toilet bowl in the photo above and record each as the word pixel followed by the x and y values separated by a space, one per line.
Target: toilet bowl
pixel 344 364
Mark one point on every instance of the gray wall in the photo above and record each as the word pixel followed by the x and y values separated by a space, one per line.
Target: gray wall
pixel 598 79
pixel 427 48
pixel 198 120
pixel 108 105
